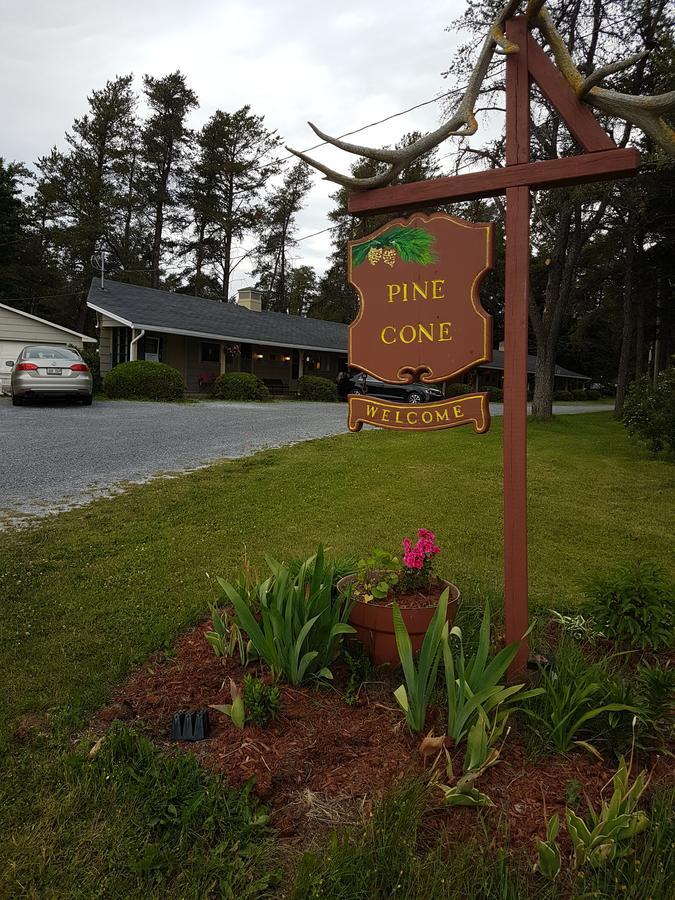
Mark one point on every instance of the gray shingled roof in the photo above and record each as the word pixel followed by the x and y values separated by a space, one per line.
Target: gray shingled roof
pixel 155 310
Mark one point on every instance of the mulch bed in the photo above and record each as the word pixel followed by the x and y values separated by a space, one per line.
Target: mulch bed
pixel 322 754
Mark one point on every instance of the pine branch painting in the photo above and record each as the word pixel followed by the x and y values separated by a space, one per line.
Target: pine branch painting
pixel 401 242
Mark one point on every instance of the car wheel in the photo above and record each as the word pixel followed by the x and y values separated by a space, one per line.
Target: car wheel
pixel 415 397
pixel 356 391
pixel 86 401
pixel 17 401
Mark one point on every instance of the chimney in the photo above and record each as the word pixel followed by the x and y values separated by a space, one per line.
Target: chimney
pixel 250 298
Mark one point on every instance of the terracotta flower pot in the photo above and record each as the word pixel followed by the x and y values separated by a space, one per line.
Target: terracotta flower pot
pixel 374 624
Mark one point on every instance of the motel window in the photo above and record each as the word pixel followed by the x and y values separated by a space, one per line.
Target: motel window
pixel 210 352
pixel 152 348
pixel 120 345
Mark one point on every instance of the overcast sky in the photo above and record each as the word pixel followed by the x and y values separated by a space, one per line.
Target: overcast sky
pixel 340 64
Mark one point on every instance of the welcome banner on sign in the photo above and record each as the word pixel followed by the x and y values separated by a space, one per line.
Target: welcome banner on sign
pixel 469 409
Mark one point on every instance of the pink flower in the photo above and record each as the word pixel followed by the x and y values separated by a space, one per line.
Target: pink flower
pixel 426 547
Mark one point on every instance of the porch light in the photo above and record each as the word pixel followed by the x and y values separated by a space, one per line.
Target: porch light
pixel 257 356
pixel 287 358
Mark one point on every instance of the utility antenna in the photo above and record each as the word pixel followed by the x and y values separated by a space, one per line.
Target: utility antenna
pixel 101 252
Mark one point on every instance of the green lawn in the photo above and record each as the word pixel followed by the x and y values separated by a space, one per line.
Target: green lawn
pixel 90 593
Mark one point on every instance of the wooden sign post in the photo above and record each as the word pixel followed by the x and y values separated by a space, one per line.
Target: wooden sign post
pixel 600 160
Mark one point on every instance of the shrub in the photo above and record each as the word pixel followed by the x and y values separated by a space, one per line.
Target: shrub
pixel 144 380
pixel 457 387
pixel 580 394
pixel 89 354
pixel 261 701
pixel 495 394
pixel 649 412
pixel 593 395
pixel 562 395
pixel 241 386
pixel 634 605
pixel 312 387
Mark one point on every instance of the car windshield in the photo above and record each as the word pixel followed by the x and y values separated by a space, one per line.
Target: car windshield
pixel 50 353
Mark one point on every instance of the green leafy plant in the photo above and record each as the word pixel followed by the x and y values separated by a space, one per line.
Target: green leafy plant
pixel 548 853
pixel 474 688
pixel 581 628
pixel 413 696
pixel 409 243
pixel 571 698
pixel 573 792
pixel 302 619
pixel 606 834
pixel 234 710
pixel 360 669
pixel 480 755
pixel 634 605
pixel 262 701
pixel 656 691
pixel 376 575
pixel 225 636
pixel 608 831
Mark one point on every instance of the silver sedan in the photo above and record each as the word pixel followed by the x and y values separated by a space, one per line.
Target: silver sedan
pixel 50 371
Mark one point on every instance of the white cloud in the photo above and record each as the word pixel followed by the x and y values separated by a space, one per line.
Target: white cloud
pixel 340 65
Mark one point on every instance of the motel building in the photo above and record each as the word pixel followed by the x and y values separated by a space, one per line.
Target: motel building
pixel 205 338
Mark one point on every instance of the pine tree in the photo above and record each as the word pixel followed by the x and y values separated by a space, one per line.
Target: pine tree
pixel 165 139
pixel 231 166
pixel 278 238
pixel 83 183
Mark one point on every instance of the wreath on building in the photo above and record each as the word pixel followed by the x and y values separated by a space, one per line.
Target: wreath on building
pixel 400 242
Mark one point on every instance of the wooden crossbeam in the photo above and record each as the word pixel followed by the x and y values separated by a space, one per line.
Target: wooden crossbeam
pixel 603 165
pixel 583 125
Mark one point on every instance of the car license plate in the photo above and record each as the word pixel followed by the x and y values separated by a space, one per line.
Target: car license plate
pixel 52 371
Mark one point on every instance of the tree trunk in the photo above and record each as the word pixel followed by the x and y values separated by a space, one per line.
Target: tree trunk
pixel 546 324
pixel 627 333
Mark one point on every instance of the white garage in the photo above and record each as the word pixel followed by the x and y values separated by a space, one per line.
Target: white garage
pixel 18 328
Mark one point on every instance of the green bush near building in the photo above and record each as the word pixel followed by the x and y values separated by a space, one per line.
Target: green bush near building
pixel 563 395
pixel 649 411
pixel 90 355
pixel 457 387
pixel 495 394
pixel 313 387
pixel 241 386
pixel 144 380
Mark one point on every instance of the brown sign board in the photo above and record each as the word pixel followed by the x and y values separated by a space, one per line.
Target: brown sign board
pixel 469 409
pixel 420 316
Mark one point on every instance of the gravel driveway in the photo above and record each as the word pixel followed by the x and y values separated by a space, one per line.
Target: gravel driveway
pixel 56 456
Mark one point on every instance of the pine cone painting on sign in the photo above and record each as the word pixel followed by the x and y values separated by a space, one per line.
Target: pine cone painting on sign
pixel 409 244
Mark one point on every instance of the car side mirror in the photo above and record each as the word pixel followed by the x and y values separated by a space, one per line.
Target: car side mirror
pixel 10 363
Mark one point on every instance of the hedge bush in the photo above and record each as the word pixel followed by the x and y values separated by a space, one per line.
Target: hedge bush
pixel 457 387
pixel 144 380
pixel 495 394
pixel 649 411
pixel 313 387
pixel 563 395
pixel 90 355
pixel 242 386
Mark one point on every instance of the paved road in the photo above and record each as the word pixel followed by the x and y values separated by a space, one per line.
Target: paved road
pixel 56 456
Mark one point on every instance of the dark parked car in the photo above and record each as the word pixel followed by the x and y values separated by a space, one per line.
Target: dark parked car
pixel 402 393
